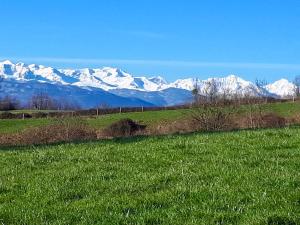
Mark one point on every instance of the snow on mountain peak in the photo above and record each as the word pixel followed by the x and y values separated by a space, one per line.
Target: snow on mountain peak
pixel 6 62
pixel 158 80
pixel 282 87
pixel 109 78
pixel 115 72
pixel 234 78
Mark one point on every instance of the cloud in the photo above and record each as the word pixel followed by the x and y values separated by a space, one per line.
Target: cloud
pixel 167 63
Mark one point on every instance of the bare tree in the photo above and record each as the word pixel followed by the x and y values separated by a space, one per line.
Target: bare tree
pixel 211 114
pixel 226 97
pixel 260 84
pixel 103 108
pixel 211 91
pixel 41 101
pixel 296 82
pixel 195 91
pixel 64 104
pixel 1 82
pixel 9 103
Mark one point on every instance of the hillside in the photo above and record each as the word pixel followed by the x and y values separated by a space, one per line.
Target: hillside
pixel 218 178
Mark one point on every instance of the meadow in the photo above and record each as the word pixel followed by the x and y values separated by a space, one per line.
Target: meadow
pixel 242 177
pixel 149 118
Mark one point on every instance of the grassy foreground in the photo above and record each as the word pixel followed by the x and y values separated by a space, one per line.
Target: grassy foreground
pixel 245 177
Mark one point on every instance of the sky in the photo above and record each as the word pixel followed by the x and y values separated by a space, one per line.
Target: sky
pixel 254 39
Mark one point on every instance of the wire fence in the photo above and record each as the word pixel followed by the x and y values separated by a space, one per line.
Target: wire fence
pixel 103 111
pixel 85 113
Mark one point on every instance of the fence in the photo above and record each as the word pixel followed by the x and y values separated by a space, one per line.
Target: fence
pixel 89 112
pixel 102 111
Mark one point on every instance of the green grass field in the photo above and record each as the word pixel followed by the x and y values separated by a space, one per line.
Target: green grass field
pixel 148 118
pixel 245 177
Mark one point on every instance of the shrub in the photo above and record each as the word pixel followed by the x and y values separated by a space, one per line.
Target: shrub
pixel 7 115
pixel 261 120
pixel 213 118
pixel 23 116
pixel 176 127
pixel 123 128
pixel 63 130
pixel 39 115
pixel 272 120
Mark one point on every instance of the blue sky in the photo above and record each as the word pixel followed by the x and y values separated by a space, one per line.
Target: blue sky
pixel 175 39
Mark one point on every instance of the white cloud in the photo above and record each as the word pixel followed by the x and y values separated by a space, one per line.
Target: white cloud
pixel 169 63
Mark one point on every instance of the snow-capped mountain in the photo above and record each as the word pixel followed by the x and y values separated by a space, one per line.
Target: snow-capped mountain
pixel 66 94
pixel 106 78
pixel 230 85
pixel 141 90
pixel 282 88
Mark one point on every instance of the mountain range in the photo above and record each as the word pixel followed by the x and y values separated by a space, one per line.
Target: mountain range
pixel 115 87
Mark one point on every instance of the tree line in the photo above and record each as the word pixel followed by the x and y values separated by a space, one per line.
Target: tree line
pixel 209 92
pixel 38 101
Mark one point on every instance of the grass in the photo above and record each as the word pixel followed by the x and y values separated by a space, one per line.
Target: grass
pixel 30 111
pixel 16 125
pixel 283 109
pixel 245 177
pixel 149 118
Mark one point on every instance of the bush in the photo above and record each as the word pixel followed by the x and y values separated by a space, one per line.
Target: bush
pixel 261 120
pixel 123 128
pixel 180 126
pixel 63 130
pixel 7 115
pixel 213 118
pixel 271 120
pixel 23 116
pixel 39 115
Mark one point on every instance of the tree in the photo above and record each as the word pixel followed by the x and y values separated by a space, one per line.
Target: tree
pixel 1 81
pixel 206 92
pixel 9 103
pixel 41 101
pixel 296 82
pixel 260 84
pixel 63 104
pixel 195 92
pixel 211 91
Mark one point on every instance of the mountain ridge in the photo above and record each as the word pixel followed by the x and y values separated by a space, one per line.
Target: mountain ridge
pixel 123 84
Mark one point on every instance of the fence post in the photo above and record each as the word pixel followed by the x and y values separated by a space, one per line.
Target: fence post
pixel 142 108
pixel 97 112
pixel 120 109
pixel 23 116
